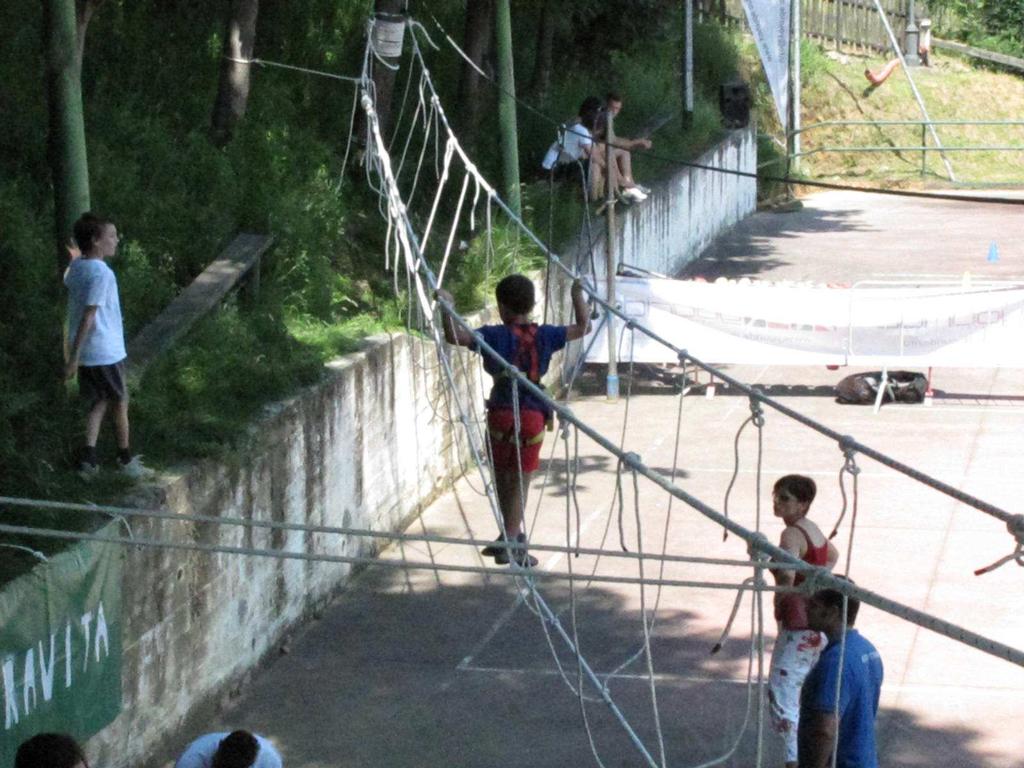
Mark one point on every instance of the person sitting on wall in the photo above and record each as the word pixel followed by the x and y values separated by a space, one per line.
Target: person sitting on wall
pixel 238 749
pixel 622 158
pixel 50 750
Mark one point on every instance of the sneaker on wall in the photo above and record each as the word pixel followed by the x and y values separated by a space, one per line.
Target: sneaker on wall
pixel 136 470
pixel 87 470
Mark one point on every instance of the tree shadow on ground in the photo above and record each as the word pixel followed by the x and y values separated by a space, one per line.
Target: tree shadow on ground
pixel 414 669
pixel 751 247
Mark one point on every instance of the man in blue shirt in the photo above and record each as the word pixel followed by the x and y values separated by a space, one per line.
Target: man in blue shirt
pixel 859 687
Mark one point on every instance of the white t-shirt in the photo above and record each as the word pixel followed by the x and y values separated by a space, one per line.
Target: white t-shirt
pixel 91 283
pixel 577 138
pixel 199 753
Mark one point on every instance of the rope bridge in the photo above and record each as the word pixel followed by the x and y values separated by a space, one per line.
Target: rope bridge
pixel 406 248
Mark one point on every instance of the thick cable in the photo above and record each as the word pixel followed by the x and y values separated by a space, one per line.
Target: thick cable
pixel 304 70
pixel 683 354
pixel 420 263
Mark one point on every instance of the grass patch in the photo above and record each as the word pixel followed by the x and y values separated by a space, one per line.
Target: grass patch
pixel 951 89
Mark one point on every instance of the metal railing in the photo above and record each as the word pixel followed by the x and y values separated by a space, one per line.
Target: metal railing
pixel 923 147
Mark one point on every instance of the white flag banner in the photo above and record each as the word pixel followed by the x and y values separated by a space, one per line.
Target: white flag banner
pixel 762 323
pixel 769 23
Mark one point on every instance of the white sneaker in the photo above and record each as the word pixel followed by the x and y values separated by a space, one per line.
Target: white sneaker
pixel 634 194
pixel 87 470
pixel 642 188
pixel 136 470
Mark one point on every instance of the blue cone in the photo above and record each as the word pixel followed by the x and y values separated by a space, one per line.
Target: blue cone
pixel 993 253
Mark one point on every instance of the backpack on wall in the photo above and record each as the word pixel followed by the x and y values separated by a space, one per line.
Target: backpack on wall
pixel 900 387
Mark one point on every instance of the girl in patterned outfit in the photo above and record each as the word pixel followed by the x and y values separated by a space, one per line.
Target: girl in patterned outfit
pixel 797 646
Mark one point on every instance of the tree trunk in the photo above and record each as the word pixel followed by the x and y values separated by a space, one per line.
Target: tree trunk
pixel 507 129
pixel 233 88
pixel 540 83
pixel 64 28
pixel 476 42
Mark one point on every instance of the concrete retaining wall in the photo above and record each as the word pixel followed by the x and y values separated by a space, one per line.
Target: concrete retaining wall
pixel 685 213
pixel 367 448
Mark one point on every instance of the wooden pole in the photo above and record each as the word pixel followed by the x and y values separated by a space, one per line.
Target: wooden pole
pixel 611 266
pixel 688 62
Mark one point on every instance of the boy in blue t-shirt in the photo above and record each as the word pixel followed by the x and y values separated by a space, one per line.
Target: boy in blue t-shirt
pixel 96 334
pixel 859 690
pixel 528 346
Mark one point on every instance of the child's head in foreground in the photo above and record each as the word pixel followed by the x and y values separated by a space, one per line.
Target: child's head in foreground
pixel 515 295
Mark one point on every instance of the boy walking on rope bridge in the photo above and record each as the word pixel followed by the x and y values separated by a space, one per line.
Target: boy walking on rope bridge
pixel 515 437
pixel 797 645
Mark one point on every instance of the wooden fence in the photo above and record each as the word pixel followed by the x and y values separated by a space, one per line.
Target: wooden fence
pixel 847 24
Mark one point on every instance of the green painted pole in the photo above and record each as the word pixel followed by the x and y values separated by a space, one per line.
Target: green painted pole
pixel 68 163
pixel 507 130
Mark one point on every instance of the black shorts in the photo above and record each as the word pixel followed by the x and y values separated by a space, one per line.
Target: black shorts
pixel 102 382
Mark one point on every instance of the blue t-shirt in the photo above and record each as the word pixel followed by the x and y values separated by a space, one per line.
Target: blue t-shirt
pixel 91 283
pixel 548 340
pixel 858 702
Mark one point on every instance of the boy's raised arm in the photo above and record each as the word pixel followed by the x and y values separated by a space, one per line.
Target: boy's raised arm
pixel 579 304
pixel 453 333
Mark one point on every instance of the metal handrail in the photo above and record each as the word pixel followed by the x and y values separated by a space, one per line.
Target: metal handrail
pixel 924 125
pixel 826 123
pixel 917 148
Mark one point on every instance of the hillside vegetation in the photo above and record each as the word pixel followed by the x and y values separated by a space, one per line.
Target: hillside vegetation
pixel 149 79
pixel 951 88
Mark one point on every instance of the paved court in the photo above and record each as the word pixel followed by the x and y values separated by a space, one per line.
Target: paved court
pixel 428 668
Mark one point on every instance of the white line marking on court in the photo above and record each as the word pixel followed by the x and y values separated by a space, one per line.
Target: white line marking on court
pixel 549 564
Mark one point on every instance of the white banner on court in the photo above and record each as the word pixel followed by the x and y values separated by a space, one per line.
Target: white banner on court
pixel 949 324
pixel 769 22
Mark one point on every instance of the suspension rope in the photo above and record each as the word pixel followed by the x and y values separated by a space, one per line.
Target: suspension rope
pixel 775 553
pixel 850 467
pixel 304 70
pixel 419 265
pixel 787 179
pixel 683 355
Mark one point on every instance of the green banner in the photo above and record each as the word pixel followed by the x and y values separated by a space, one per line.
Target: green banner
pixel 60 645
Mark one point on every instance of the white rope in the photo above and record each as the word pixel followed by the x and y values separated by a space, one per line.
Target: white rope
pixel 776 553
pixel 454 229
pixel 648 655
pixel 760 588
pixel 850 466
pixel 396 209
pixel 305 70
pixel 34 552
pixel 683 355
pixel 839 677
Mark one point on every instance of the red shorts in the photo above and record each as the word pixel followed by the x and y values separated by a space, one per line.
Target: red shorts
pixel 501 429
